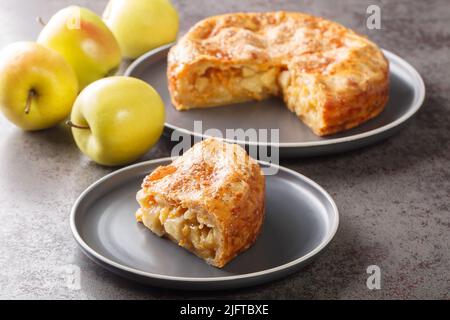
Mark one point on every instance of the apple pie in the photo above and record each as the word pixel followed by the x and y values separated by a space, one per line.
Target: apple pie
pixel 209 201
pixel 332 78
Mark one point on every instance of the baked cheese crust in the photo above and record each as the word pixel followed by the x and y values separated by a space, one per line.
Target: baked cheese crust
pixel 329 76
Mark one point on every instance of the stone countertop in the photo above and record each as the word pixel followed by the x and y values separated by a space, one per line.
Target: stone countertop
pixel 393 196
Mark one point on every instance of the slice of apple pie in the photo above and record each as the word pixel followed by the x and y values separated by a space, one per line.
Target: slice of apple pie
pixel 209 201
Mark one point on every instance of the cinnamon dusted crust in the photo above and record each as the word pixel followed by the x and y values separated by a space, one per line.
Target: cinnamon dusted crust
pixel 209 201
pixel 329 76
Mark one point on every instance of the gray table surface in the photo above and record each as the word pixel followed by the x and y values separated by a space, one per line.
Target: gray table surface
pixel 393 197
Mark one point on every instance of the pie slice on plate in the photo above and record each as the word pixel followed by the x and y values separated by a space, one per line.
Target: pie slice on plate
pixel 209 201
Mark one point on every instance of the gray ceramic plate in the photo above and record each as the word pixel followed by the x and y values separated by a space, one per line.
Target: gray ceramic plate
pixel 407 92
pixel 301 219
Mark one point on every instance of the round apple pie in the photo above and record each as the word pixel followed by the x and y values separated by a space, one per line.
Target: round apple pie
pixel 332 78
pixel 209 201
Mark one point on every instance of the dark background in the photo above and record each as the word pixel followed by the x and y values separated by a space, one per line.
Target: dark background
pixel 393 197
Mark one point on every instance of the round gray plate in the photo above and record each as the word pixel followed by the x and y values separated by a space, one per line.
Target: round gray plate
pixel 301 219
pixel 407 92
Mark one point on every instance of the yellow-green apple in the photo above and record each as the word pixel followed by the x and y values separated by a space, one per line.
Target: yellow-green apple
pixel 85 42
pixel 37 86
pixel 116 120
pixel 141 25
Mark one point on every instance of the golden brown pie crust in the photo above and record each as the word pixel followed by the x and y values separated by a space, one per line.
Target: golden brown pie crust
pixel 221 186
pixel 331 77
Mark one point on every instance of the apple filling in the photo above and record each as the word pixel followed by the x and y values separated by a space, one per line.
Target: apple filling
pixel 302 96
pixel 215 85
pixel 181 225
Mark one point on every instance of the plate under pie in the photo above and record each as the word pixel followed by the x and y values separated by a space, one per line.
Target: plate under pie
pixel 300 220
pixel 406 95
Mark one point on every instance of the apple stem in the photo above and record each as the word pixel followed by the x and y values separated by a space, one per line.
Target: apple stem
pixel 73 125
pixel 41 21
pixel 31 95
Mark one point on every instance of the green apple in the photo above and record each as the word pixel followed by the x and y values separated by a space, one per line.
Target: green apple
pixel 85 42
pixel 116 120
pixel 37 86
pixel 141 25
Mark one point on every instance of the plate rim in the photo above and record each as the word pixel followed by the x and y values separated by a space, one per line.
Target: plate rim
pixel 284 267
pixel 419 90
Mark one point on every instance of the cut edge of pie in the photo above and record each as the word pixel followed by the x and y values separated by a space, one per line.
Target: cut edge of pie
pixel 187 227
pixel 330 77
